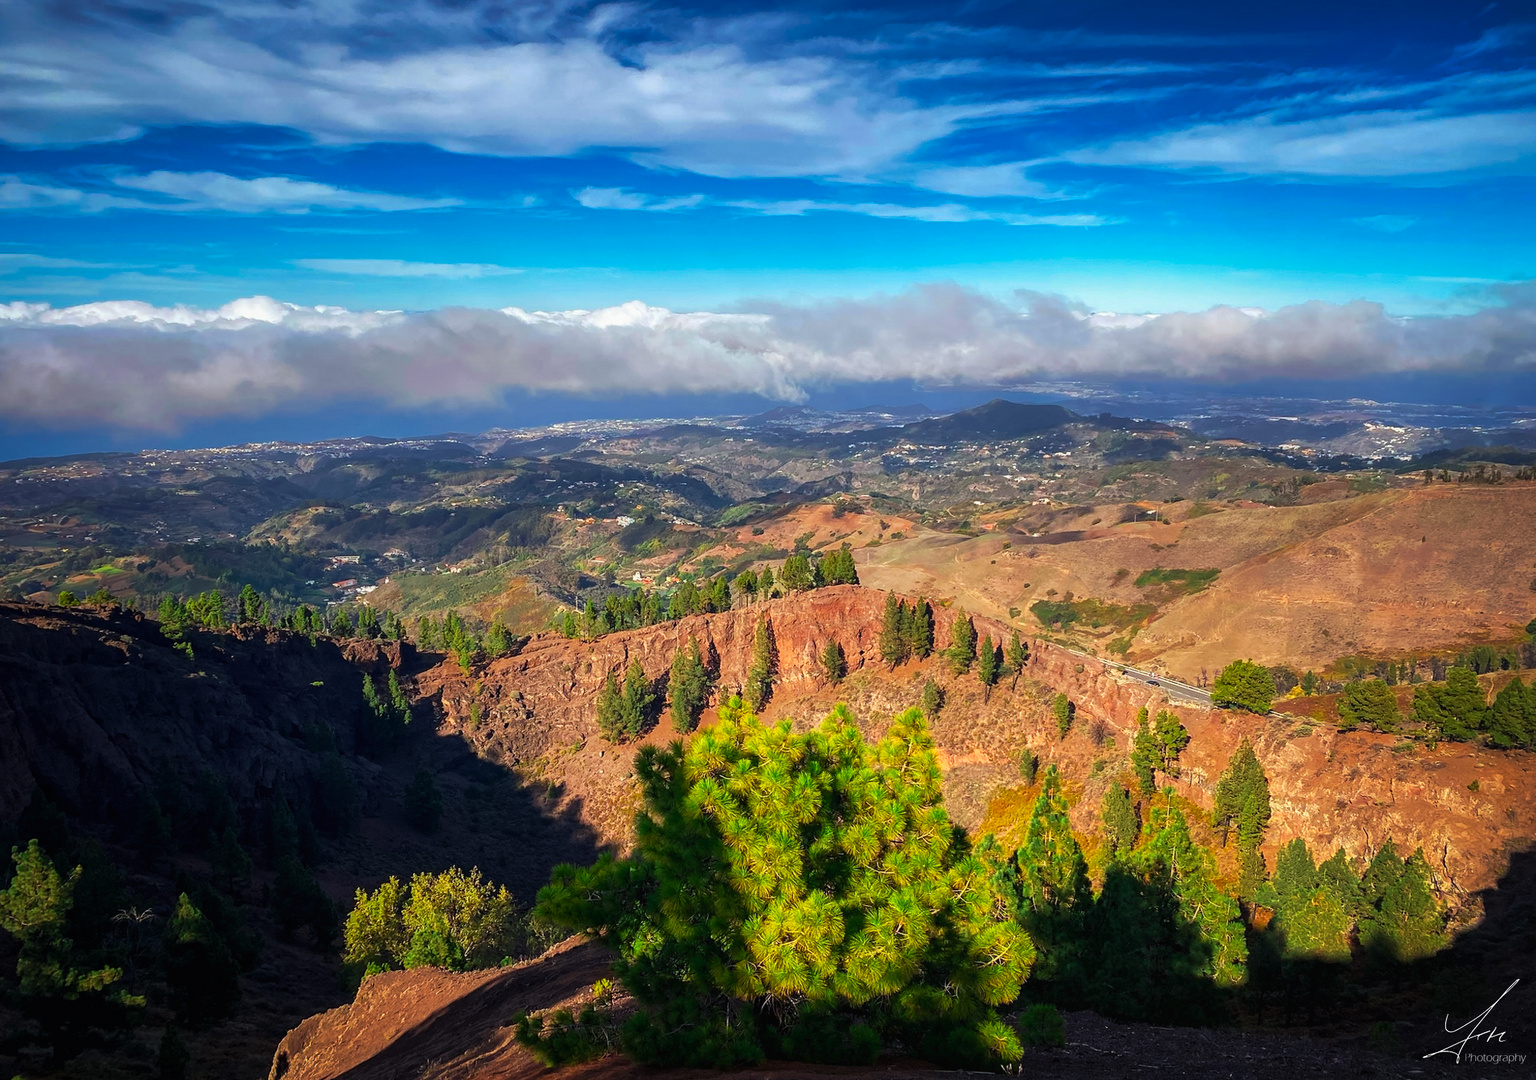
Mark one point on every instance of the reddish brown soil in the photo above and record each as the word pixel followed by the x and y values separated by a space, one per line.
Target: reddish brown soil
pixel 435 1024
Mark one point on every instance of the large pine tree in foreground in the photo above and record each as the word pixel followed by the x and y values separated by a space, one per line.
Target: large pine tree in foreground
pixel 804 896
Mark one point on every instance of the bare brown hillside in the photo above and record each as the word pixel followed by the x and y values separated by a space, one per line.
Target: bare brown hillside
pixel 1401 572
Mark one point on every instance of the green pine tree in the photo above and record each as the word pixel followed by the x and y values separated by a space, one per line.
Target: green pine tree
pixel 1064 711
pixel 933 699
pixel 919 630
pixel 1169 737
pixel 1144 755
pixel 746 585
pixel 204 976
pixel 760 673
pixel 988 662
pixel 423 802
pixel 1052 884
pixel 635 701
pixel 834 665
pixel 57 986
pixel 498 640
pixel 1370 702
pixel 1017 656
pixel 1242 806
pixel 1171 856
pixel 1401 920
pixel 1311 914
pixel 1122 827
pixel 786 891
pixel 894 647
pixel 1511 719
pixel 610 720
pixel 962 644
pixel 688 687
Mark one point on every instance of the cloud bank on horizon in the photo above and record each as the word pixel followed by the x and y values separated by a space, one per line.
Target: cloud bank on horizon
pixel 510 173
pixel 130 365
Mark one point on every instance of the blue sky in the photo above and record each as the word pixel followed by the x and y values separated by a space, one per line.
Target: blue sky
pixel 802 162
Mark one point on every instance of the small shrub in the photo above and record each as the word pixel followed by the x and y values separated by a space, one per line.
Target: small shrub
pixel 1029 765
pixel 423 802
pixel 1041 1025
pixel 172 1060
pixel 561 1038
pixel 933 699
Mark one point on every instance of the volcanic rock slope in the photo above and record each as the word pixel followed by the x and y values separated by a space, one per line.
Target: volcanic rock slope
pixel 536 712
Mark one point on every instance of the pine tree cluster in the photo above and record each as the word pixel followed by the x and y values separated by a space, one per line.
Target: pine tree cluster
pixel 906 631
pixel 385 718
pixel 624 709
pixel 688 686
pixel 1369 702
pixel 639 607
pixel 1458 710
pixel 1159 942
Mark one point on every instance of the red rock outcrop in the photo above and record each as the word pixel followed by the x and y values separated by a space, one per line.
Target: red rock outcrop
pixel 450 1025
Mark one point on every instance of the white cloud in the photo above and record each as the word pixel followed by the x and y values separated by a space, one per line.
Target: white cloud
pixel 596 198
pixel 279 194
pixel 1375 144
pixel 405 269
pixel 207 191
pixel 130 364
pixel 946 212
pixel 19 194
pixel 983 181
pixel 623 199
pixel 700 105
pixel 12 261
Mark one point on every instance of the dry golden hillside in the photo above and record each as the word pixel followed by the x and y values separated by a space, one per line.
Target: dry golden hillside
pixel 1396 573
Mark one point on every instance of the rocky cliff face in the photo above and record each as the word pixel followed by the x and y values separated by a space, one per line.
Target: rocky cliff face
pixel 91 705
pixel 537 711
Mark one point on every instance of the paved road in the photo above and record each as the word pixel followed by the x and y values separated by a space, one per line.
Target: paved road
pixel 1173 688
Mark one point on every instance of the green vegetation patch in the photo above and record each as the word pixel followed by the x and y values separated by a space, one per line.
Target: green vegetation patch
pixel 1092 613
pixel 741 514
pixel 1181 582
pixel 435 592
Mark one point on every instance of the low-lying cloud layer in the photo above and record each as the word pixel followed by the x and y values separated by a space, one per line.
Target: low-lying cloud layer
pixel 130 365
